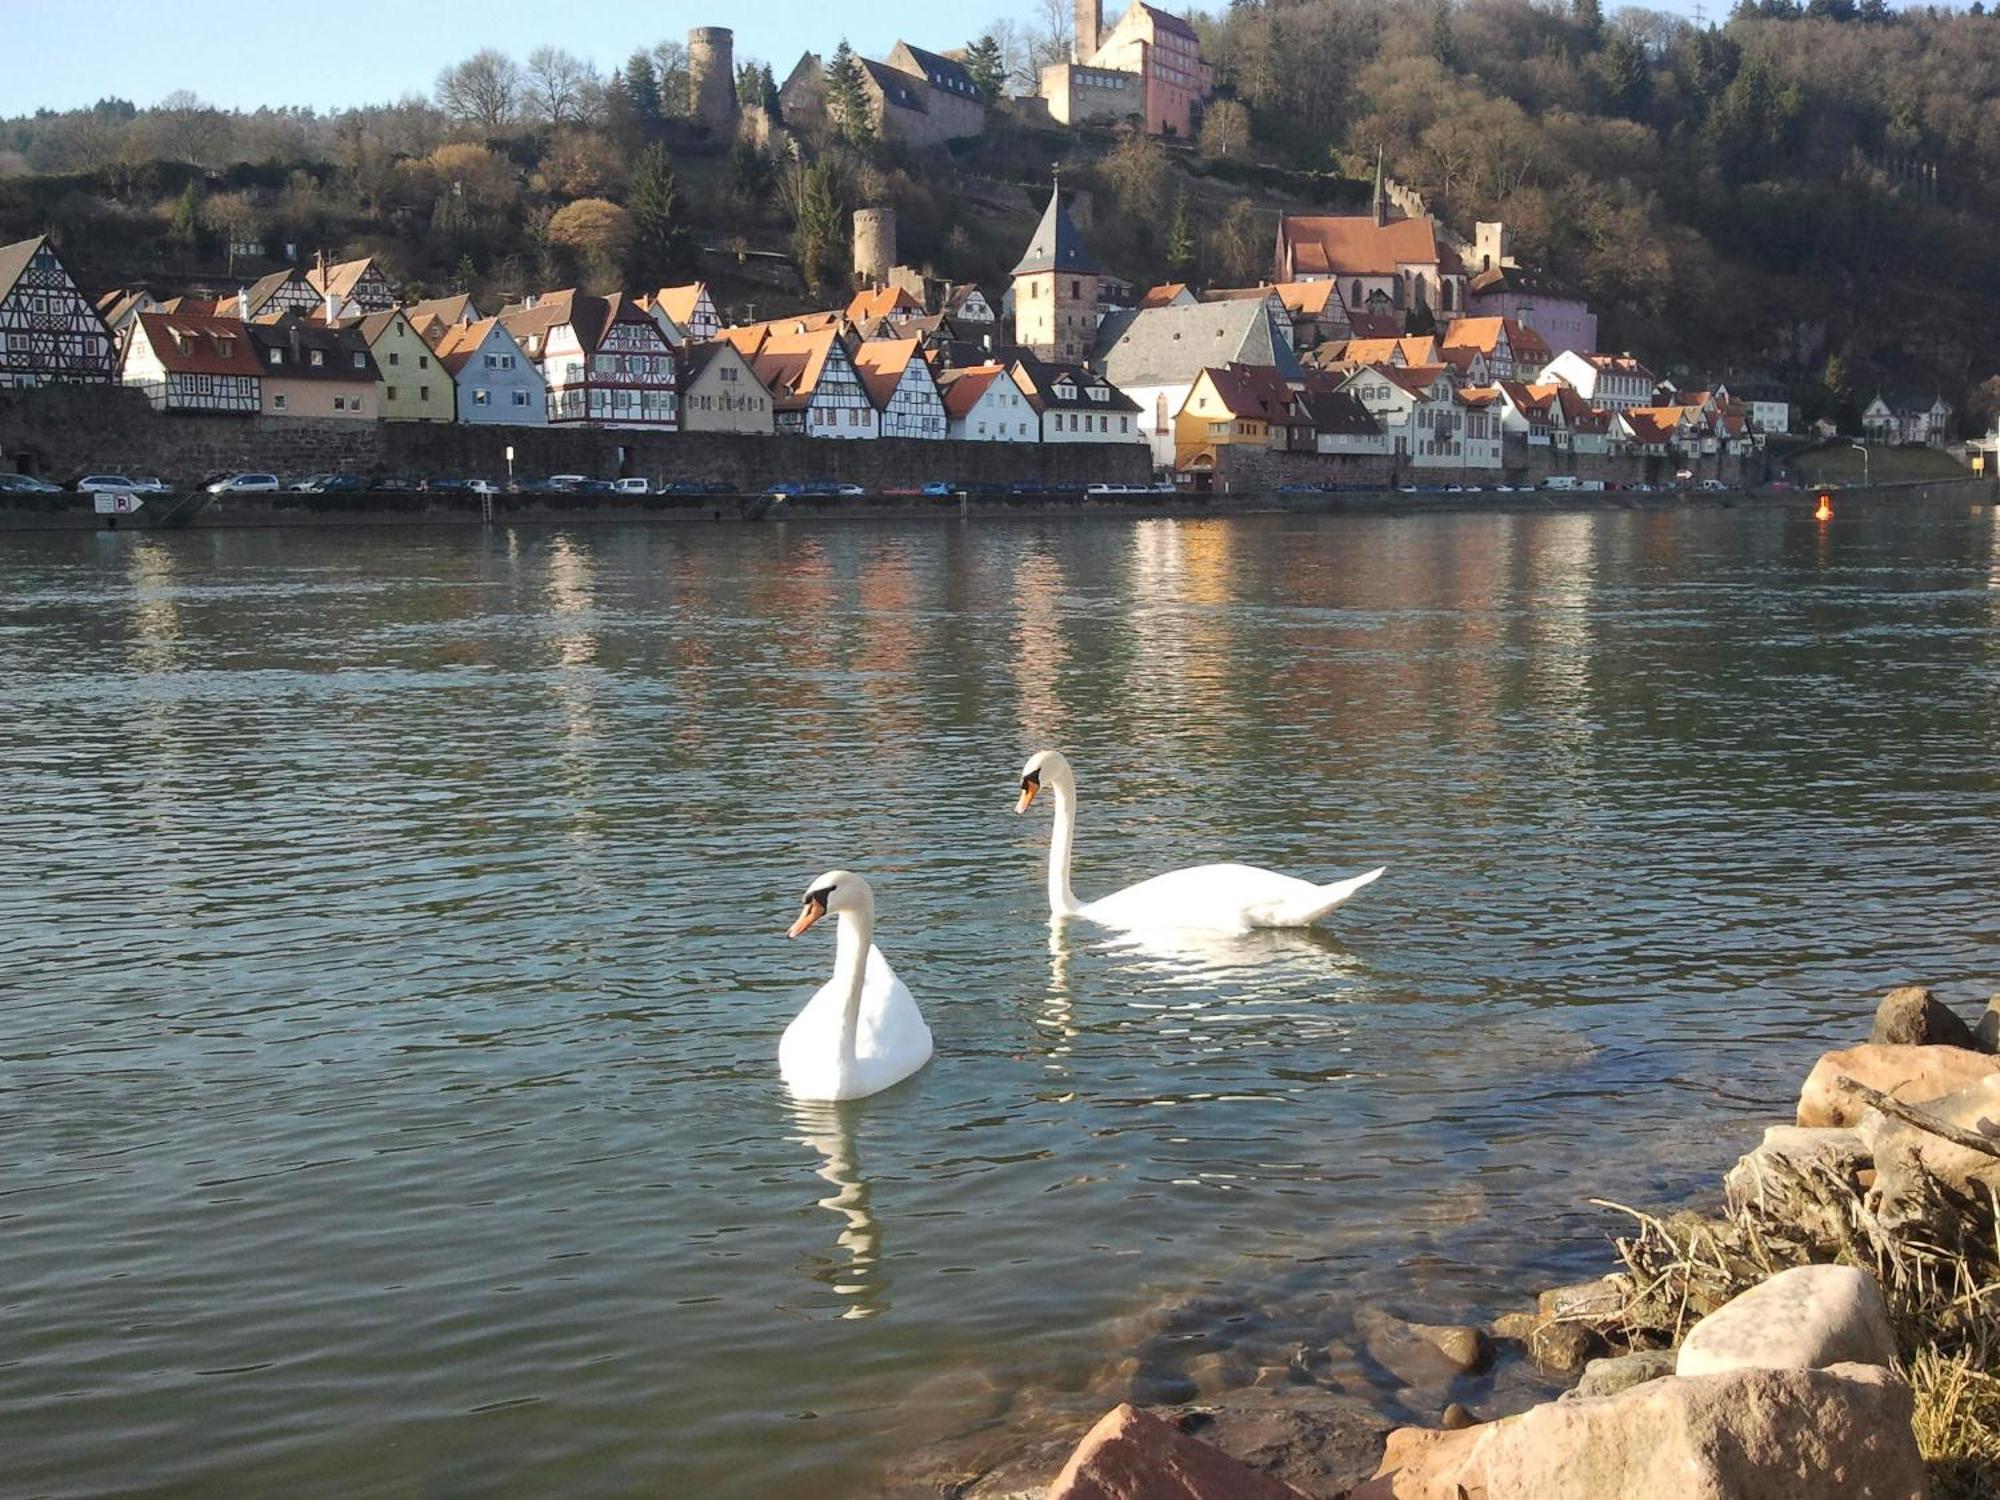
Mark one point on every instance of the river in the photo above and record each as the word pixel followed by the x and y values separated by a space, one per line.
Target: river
pixel 394 955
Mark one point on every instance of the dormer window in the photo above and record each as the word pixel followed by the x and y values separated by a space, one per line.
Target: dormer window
pixel 277 356
pixel 317 357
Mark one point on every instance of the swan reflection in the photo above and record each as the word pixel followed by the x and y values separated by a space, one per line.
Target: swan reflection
pixel 855 1273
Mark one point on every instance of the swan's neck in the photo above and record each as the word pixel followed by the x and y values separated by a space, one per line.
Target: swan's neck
pixel 852 935
pixel 1062 900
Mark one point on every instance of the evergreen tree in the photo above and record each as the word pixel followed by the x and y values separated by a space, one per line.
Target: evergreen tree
pixel 1628 77
pixel 642 88
pixel 662 251
pixel 1180 241
pixel 817 231
pixel 1443 48
pixel 988 66
pixel 184 224
pixel 1589 17
pixel 846 99
pixel 770 82
pixel 750 171
pixel 466 273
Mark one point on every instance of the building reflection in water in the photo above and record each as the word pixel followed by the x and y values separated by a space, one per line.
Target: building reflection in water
pixel 154 576
pixel 1040 651
pixel 885 662
pixel 575 681
pixel 854 1271
pixel 1181 577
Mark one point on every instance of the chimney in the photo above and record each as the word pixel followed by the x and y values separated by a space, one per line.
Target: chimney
pixel 1089 29
pixel 242 305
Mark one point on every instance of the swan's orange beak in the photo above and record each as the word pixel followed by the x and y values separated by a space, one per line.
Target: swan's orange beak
pixel 1029 786
pixel 811 912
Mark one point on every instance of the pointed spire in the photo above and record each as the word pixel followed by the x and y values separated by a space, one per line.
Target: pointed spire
pixel 1057 245
pixel 1381 200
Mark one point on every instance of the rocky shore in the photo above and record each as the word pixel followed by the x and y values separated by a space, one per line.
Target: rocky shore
pixel 1832 1331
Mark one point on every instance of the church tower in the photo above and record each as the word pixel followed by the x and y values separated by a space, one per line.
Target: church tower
pixel 1058 289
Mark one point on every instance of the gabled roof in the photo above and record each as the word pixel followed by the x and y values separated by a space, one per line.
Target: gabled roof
pixel 943 67
pixel 455 309
pixel 461 341
pixel 1416 381
pixel 341 279
pixel 1368 325
pixel 14 260
pixel 1355 245
pixel 194 345
pixel 1056 244
pixel 374 325
pixel 1308 299
pixel 1166 294
pixel 698 355
pixel 881 302
pixel 1340 412
pixel 1163 21
pixel 790 365
pixel 260 292
pixel 1255 391
pixel 1172 345
pixel 1651 424
pixel 963 388
pixel 1040 380
pixel 300 339
pixel 680 302
pixel 1499 279
pixel 896 86
pixel 591 317
pixel 881 362
pixel 1416 349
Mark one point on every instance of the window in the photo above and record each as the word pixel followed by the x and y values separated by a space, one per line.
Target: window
pixel 423 393
pixel 389 393
pixel 395 358
pixel 483 398
pixel 340 403
pixel 423 361
pixel 278 401
pixel 317 358
pixel 277 356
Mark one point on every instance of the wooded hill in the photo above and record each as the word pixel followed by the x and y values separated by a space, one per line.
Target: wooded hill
pixel 1801 195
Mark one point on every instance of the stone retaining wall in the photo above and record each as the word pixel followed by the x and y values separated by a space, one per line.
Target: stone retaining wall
pixel 61 432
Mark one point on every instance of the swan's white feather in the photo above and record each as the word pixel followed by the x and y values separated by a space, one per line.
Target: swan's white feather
pixel 1222 898
pixel 891 1040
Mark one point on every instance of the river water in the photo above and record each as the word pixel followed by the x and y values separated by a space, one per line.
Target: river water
pixel 394 956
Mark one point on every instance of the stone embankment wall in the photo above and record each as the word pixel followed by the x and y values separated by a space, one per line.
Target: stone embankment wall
pixel 63 432
pixel 1241 467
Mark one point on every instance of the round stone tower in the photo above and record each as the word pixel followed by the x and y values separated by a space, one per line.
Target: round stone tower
pixel 712 76
pixel 874 244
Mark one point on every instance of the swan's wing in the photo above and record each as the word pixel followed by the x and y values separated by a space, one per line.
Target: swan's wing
pixel 890 1023
pixel 1302 908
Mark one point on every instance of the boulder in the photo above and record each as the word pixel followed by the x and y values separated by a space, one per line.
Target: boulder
pixel 1806 1318
pixel 1318 1442
pixel 1599 1301
pixel 1975 1108
pixel 1421 1354
pixel 1913 1073
pixel 1912 1016
pixel 1516 1325
pixel 1607 1377
pixel 1456 1418
pixel 1836 1434
pixel 1564 1348
pixel 1760 1177
pixel 1986 1034
pixel 1134 1455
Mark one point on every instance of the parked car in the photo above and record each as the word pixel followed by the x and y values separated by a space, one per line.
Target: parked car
pixel 849 490
pixel 149 484
pixel 340 484
pixel 447 486
pixel 1711 485
pixel 307 485
pixel 786 489
pixel 565 481
pixel 27 484
pixel 684 487
pixel 394 484
pixel 634 486
pixel 938 488
pixel 105 484
pixel 245 484
pixel 482 486
pixel 593 487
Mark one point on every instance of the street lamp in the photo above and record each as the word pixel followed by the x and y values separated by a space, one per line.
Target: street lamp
pixel 1866 483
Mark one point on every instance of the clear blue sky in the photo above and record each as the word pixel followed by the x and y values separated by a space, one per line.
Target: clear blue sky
pixel 64 53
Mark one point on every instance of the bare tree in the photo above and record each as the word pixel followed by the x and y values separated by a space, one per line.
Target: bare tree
pixel 1051 34
pixel 557 85
pixel 189 130
pixel 482 91
pixel 670 64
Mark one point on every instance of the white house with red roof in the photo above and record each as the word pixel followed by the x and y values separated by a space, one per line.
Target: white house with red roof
pixel 1616 382
pixel 899 381
pixel 986 404
pixel 190 363
pixel 605 360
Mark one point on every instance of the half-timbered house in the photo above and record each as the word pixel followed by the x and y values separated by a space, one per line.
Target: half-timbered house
pixel 280 292
pixel 49 331
pixel 356 286
pixel 814 387
pixel 905 392
pixel 604 358
pixel 189 363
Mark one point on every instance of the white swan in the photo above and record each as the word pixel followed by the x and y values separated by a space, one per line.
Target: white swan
pixel 862 1032
pixel 1215 898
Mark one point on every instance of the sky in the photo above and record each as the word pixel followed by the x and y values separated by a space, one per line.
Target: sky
pixel 240 55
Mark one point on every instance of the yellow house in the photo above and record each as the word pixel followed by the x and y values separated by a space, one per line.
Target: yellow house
pixel 414 385
pixel 1233 404
pixel 311 370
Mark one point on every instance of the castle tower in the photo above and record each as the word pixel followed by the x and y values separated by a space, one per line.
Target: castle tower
pixel 1489 246
pixel 1058 289
pixel 712 76
pixel 1089 29
pixel 874 245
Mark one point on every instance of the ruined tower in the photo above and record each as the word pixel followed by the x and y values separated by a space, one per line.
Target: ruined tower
pixel 874 245
pixel 712 76
pixel 1089 28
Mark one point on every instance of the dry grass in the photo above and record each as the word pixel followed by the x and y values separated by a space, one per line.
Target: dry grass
pixel 1937 1258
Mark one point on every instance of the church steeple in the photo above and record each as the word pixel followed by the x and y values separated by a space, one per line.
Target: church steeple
pixel 1381 200
pixel 1058 288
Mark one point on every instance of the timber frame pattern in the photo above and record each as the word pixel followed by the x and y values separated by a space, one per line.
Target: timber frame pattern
pixel 49 331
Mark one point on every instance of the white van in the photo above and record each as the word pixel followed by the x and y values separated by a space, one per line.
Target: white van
pixel 633 486
pixel 1571 482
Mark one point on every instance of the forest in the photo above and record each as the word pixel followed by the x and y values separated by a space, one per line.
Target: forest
pixel 1795 193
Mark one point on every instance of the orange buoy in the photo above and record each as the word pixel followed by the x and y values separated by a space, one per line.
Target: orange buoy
pixel 1825 511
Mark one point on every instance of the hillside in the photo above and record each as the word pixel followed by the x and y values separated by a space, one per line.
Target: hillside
pixel 1793 195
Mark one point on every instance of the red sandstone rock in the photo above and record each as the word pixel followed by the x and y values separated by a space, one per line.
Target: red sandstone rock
pixel 1912 1073
pixel 1134 1455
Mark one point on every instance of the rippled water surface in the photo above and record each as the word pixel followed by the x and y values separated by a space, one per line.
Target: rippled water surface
pixel 394 957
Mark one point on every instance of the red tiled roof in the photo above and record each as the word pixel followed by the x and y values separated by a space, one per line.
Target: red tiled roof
pixel 963 388
pixel 880 363
pixel 882 302
pixel 189 344
pixel 1355 245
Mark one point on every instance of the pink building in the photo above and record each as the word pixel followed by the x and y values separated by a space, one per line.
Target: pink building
pixel 1147 68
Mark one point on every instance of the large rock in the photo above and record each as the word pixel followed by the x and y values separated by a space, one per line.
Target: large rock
pixel 1761 1177
pixel 1987 1032
pixel 1912 1016
pixel 1423 1355
pixel 1564 1348
pixel 1607 1377
pixel 1837 1434
pixel 1134 1455
pixel 1596 1302
pixel 1317 1441
pixel 1913 1073
pixel 1975 1109
pixel 1806 1318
